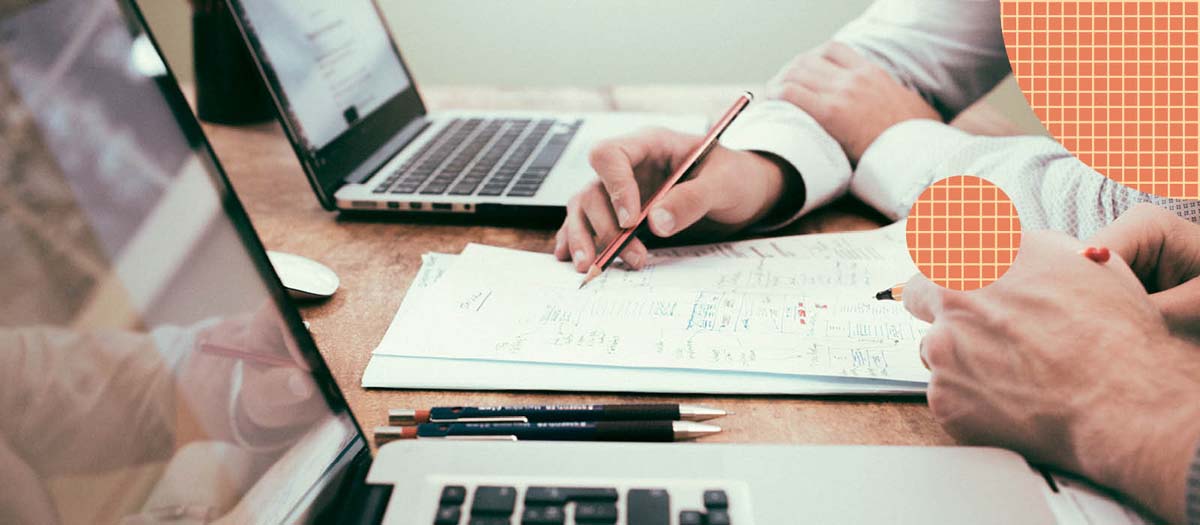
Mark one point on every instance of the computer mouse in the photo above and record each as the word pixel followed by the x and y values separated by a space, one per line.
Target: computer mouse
pixel 304 278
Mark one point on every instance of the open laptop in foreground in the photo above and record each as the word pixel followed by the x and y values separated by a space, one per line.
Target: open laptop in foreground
pixel 153 370
pixel 364 137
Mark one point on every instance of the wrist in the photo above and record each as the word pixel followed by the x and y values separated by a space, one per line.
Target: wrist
pixel 1145 445
pixel 783 191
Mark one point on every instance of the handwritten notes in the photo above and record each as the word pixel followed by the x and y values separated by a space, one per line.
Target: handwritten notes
pixel 790 305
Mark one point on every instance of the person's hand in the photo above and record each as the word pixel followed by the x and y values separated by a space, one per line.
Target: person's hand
pixel 276 400
pixel 1164 251
pixel 1070 363
pixel 848 95
pixel 729 191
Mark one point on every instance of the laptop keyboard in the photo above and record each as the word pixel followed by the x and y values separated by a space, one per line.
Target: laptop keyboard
pixel 486 157
pixel 551 505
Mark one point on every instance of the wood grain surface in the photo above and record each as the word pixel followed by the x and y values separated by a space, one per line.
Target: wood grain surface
pixel 377 260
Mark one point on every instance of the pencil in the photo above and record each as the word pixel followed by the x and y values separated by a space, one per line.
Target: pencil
pixel 610 252
pixel 257 358
pixel 895 293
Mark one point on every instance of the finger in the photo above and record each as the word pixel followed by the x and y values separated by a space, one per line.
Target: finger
pixel 922 298
pixel 615 162
pixel 1160 247
pixel 814 72
pixel 580 240
pixel 635 254
pixel 1180 306
pixel 600 216
pixel 685 204
pixel 936 347
pixel 843 55
pixel 801 97
pixel 560 244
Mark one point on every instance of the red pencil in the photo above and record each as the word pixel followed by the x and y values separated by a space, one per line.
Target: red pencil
pixel 254 357
pixel 609 254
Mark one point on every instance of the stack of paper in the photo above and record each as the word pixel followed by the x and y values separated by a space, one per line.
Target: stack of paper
pixel 779 315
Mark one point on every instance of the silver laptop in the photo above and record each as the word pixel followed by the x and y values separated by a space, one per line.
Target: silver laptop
pixel 364 137
pixel 155 372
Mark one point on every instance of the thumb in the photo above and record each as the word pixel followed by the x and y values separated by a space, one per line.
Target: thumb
pixel 923 298
pixel 1180 306
pixel 681 207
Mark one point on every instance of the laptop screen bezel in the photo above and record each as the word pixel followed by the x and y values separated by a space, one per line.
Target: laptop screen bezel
pixel 329 167
pixel 235 212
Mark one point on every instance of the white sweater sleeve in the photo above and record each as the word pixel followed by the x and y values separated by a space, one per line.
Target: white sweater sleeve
pixel 1050 188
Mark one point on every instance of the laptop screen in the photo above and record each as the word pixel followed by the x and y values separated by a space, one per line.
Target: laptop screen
pixel 151 369
pixel 334 62
pixel 337 79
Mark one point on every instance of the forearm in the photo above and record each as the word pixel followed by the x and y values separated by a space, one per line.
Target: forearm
pixel 949 51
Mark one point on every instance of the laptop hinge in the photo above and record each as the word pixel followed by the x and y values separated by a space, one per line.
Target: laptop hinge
pixel 389 149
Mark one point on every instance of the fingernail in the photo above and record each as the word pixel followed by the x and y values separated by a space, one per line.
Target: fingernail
pixel 623 217
pixel 634 259
pixel 578 256
pixel 663 220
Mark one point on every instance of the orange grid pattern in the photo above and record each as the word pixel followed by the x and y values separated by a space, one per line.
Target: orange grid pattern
pixel 963 232
pixel 1116 82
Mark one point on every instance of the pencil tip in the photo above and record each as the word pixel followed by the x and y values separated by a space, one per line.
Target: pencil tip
pixel 884 295
pixel 591 274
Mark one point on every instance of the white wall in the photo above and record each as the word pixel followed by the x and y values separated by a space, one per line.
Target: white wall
pixel 592 42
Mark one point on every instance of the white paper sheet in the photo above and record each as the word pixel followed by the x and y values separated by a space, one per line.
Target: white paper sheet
pixel 419 373
pixel 793 305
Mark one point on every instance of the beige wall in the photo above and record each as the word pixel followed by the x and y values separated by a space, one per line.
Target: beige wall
pixel 592 42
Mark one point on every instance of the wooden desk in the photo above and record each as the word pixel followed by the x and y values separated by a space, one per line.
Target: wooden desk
pixel 377 261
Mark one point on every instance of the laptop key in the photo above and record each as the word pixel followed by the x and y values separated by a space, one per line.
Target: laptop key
pixel 453 495
pixel 561 495
pixel 448 516
pixel 522 192
pixel 487 520
pixel 648 507
pixel 548 157
pixel 716 499
pixel 597 513
pixel 543 516
pixel 717 517
pixel 491 191
pixel 691 517
pixel 493 501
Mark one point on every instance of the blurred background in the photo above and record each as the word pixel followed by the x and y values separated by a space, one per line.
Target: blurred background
pixel 589 43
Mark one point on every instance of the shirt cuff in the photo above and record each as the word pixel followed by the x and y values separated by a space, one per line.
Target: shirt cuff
pixel 785 131
pixel 902 162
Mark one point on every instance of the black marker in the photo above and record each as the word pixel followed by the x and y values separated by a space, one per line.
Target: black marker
pixel 661 431
pixel 550 413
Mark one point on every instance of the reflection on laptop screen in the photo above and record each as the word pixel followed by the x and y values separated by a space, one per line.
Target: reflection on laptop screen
pixel 333 60
pixel 148 373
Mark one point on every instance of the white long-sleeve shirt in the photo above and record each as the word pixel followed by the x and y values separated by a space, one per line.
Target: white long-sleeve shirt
pixel 952 53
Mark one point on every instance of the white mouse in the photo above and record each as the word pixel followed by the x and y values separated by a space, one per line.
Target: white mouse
pixel 304 278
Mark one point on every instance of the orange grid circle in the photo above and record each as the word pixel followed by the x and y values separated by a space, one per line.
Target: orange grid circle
pixel 1117 83
pixel 963 232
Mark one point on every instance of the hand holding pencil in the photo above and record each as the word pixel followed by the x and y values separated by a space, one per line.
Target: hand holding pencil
pixel 665 220
pixel 729 191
